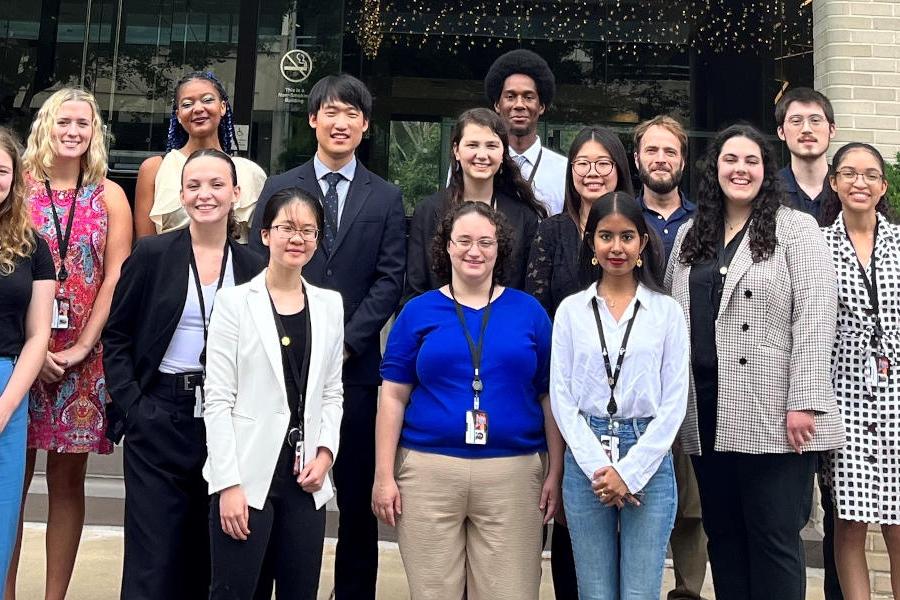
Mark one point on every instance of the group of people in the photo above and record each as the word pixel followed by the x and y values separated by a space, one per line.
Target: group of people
pixel 565 350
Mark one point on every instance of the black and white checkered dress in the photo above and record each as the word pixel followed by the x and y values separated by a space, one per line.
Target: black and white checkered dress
pixel 865 473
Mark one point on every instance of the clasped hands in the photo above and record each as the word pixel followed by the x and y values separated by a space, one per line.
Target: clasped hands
pixel 609 487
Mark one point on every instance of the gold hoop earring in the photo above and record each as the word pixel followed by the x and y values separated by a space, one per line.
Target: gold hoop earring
pixel 594 261
pixel 639 262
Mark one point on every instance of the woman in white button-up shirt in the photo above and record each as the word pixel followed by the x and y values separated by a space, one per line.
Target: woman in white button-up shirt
pixel 619 486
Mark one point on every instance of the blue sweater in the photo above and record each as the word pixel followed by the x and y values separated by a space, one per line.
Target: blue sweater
pixel 427 348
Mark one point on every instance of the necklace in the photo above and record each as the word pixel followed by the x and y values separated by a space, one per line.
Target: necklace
pixel 737 225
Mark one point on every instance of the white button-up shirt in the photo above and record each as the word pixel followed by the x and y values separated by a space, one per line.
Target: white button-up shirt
pixel 549 183
pixel 653 381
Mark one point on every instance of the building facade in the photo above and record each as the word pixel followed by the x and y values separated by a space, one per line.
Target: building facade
pixel 616 62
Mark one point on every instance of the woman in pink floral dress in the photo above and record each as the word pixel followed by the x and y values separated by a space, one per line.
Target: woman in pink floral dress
pixel 86 220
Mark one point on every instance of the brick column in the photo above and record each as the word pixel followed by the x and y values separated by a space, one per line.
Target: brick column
pixel 856 53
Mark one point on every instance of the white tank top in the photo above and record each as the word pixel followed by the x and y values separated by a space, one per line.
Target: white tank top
pixel 183 353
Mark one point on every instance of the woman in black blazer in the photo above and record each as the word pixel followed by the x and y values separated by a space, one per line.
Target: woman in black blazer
pixel 480 170
pixel 154 351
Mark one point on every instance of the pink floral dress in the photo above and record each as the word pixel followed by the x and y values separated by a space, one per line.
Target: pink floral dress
pixel 69 416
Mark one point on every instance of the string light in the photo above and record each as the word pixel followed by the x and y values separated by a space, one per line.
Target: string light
pixel 633 27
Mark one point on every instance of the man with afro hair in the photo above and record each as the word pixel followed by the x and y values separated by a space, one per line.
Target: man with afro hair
pixel 520 86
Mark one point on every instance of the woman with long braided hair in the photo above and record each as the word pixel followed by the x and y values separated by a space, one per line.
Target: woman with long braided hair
pixel 201 118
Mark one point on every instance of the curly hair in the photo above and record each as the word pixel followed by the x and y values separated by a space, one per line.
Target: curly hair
pixel 831 206
pixel 178 137
pixel 39 153
pixel 524 62
pixel 16 231
pixel 508 178
pixel 701 240
pixel 611 142
pixel 440 259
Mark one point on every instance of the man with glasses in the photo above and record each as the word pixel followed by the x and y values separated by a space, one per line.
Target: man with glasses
pixel 806 124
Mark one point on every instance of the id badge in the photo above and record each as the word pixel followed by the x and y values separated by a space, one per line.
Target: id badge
pixel 878 370
pixel 60 313
pixel 610 444
pixel 298 457
pixel 199 402
pixel 476 427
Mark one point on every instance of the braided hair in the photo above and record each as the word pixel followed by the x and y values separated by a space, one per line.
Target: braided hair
pixel 178 137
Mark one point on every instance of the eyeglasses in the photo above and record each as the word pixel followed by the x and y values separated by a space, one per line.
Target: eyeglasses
pixel 286 232
pixel 815 121
pixel 849 175
pixel 467 243
pixel 603 166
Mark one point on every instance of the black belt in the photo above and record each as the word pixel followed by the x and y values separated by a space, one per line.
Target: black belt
pixel 181 384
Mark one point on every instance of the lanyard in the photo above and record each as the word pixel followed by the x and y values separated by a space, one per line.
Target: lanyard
pixel 199 286
pixel 871 283
pixel 475 350
pixel 302 373
pixel 62 239
pixel 537 163
pixel 613 376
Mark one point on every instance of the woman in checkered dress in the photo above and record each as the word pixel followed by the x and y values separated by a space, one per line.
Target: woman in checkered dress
pixel 865 474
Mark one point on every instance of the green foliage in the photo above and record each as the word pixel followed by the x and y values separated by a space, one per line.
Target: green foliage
pixel 415 159
pixel 892 174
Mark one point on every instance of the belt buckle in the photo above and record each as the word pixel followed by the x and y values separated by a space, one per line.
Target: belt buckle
pixel 187 384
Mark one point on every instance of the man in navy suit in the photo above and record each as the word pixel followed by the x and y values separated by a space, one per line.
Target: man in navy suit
pixel 362 255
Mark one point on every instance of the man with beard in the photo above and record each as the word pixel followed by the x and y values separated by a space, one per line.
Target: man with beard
pixel 806 124
pixel 660 147
pixel 520 86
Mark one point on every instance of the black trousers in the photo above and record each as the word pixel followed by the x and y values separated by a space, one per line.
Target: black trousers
pixel 832 585
pixel 356 555
pixel 754 506
pixel 166 500
pixel 562 564
pixel 285 544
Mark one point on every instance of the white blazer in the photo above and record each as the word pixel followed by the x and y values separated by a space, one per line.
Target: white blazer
pixel 247 411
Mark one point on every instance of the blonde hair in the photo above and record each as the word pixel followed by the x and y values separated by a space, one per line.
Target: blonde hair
pixel 17 236
pixel 39 153
pixel 666 122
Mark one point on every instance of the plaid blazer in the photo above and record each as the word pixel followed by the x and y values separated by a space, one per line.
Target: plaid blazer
pixel 774 333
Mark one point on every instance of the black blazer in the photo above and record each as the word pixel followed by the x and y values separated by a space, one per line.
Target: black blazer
pixel 145 311
pixel 365 266
pixel 426 219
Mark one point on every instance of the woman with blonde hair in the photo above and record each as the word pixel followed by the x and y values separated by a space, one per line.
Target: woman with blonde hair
pixel 26 293
pixel 86 221
pixel 201 118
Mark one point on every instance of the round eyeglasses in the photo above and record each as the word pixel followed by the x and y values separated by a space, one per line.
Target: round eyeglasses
pixel 603 166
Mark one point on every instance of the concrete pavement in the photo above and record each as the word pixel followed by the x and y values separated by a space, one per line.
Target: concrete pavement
pixel 99 566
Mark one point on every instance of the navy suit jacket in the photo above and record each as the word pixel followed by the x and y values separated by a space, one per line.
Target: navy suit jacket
pixel 366 264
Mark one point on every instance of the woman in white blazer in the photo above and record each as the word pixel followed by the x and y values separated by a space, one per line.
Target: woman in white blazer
pixel 273 413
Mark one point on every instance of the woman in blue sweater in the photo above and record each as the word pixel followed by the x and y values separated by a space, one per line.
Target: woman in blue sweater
pixel 464 423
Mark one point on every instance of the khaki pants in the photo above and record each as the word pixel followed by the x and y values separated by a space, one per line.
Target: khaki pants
pixel 688 541
pixel 470 528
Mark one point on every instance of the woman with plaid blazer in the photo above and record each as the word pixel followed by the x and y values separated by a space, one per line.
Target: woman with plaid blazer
pixel 758 290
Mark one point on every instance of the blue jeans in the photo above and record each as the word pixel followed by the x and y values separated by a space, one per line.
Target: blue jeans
pixel 12 470
pixel 620 553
